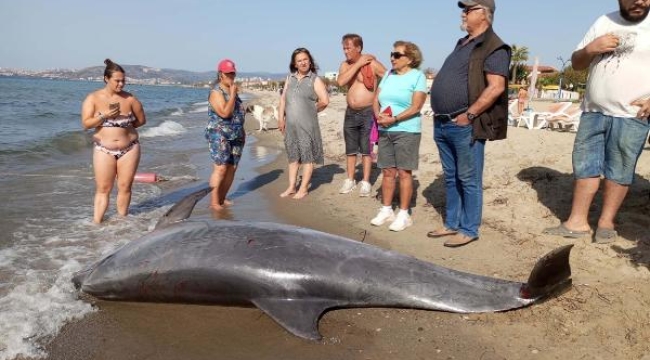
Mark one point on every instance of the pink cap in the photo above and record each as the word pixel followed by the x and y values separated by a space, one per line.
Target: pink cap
pixel 226 66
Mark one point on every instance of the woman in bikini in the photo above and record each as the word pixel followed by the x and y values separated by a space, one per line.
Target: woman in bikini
pixel 114 114
pixel 225 132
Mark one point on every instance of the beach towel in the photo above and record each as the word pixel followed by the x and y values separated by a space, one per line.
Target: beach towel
pixel 368 77
pixel 374 132
pixel 374 129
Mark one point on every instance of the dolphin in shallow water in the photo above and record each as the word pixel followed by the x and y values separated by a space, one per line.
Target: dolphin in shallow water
pixel 295 274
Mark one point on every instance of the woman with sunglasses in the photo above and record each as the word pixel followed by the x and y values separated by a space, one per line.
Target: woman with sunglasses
pixel 400 97
pixel 304 95
pixel 225 132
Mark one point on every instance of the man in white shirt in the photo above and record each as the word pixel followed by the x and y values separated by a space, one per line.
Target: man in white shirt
pixel 614 124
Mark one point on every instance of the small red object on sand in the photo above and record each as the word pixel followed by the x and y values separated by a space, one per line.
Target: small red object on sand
pixel 146 177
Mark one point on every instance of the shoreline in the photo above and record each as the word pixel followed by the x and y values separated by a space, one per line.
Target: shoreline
pixel 527 187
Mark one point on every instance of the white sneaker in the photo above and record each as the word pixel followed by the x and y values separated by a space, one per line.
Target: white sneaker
pixel 365 189
pixel 348 185
pixel 401 222
pixel 383 216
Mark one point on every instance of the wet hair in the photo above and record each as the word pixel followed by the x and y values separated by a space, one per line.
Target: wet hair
pixel 111 68
pixel 356 40
pixel 312 64
pixel 412 51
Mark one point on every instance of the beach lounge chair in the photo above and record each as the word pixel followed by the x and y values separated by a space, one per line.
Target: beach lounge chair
pixel 538 120
pixel 568 120
pixel 513 113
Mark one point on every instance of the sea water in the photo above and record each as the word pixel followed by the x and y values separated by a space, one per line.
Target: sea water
pixel 47 188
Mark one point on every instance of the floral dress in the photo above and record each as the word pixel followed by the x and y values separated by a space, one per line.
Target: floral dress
pixel 226 136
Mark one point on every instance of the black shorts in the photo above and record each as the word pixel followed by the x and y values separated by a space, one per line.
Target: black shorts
pixel 356 130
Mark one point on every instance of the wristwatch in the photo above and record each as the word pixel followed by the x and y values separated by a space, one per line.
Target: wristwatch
pixel 471 116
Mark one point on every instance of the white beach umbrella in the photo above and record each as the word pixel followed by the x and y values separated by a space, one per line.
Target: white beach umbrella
pixel 533 80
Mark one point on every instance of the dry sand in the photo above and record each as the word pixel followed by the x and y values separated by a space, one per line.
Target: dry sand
pixel 527 187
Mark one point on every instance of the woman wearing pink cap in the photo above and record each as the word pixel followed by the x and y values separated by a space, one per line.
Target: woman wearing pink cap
pixel 225 132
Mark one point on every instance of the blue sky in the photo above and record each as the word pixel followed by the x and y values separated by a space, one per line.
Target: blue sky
pixel 259 35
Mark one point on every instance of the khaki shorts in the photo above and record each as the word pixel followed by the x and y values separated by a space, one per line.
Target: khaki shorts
pixel 399 149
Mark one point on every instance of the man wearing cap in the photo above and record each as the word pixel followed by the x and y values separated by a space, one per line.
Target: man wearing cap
pixel 614 122
pixel 470 103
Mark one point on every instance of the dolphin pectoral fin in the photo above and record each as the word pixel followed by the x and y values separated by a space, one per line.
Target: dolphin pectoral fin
pixel 299 317
pixel 182 209
pixel 552 273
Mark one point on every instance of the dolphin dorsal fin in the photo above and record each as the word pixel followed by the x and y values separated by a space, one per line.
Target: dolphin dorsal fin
pixel 182 209
pixel 298 316
pixel 551 273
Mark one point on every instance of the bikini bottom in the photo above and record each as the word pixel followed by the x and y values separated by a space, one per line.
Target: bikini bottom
pixel 117 153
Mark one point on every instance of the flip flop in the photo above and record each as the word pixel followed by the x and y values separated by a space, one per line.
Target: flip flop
pixel 441 232
pixel 605 236
pixel 562 230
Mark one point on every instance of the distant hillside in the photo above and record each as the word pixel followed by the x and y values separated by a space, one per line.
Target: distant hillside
pixel 148 75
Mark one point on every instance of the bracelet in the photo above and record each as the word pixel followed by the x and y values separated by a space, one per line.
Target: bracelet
pixel 101 117
pixel 396 121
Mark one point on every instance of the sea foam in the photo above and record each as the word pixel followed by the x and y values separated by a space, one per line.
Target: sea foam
pixel 167 128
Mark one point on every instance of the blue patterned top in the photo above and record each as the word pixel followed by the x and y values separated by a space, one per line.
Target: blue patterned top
pixel 235 122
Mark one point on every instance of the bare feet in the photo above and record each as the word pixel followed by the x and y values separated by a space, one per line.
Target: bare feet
pixel 289 191
pixel 216 207
pixel 300 194
pixel 228 202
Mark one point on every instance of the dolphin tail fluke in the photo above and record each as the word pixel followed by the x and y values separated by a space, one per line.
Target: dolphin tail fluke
pixel 182 209
pixel 551 274
pixel 299 317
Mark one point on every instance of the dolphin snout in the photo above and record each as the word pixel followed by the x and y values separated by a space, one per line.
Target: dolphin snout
pixel 79 277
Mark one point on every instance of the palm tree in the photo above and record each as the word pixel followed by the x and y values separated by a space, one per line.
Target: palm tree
pixel 519 56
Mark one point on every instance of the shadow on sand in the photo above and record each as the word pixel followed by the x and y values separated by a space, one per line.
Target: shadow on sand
pixel 178 194
pixel 555 191
pixel 435 195
pixel 256 183
pixel 324 175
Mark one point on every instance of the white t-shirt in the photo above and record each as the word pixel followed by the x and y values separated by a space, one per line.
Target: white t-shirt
pixel 618 78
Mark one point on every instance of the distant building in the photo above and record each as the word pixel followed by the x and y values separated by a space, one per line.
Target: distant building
pixel 331 75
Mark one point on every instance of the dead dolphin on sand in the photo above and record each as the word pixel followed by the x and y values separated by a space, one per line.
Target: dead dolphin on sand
pixel 295 274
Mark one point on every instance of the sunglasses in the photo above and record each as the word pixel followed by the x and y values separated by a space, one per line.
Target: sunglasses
pixel 468 10
pixel 397 55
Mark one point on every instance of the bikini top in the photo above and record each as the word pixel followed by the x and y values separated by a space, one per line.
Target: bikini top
pixel 121 121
